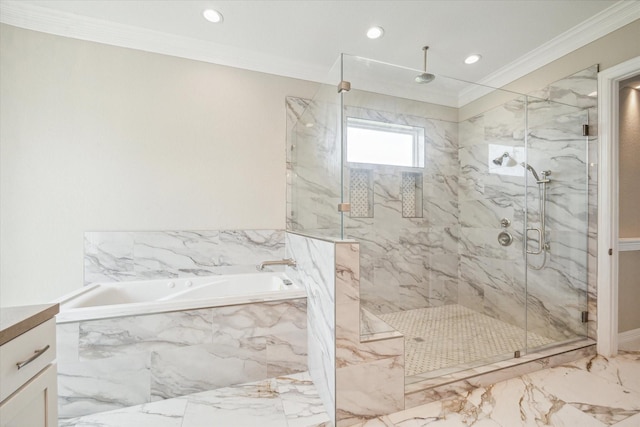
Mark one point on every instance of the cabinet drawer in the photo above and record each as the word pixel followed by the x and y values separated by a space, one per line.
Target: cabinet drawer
pixel 30 345
pixel 33 405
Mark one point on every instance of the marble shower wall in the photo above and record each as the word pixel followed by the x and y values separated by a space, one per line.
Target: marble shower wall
pixel 408 262
pixel 416 258
pixel 491 276
pixel 115 256
pixel 114 363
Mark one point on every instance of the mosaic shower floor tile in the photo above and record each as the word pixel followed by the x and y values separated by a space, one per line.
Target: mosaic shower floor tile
pixel 452 335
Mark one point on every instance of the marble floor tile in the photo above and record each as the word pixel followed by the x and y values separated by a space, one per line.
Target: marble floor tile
pixel 591 392
pixel 300 401
pixel 233 407
pixel 167 413
pixel 286 401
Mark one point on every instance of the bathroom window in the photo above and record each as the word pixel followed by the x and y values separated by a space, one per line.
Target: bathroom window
pixel 382 143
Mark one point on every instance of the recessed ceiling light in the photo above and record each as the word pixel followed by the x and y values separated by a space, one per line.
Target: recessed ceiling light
pixel 212 16
pixel 472 59
pixel 375 32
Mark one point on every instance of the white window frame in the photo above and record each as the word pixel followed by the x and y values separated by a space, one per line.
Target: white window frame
pixel 416 133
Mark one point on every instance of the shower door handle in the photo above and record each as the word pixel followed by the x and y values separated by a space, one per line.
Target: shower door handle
pixel 540 244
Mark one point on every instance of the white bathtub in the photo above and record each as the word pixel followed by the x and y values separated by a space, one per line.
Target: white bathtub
pixel 106 300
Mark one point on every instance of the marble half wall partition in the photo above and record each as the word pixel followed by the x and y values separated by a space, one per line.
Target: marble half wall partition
pixel 315 270
pixel 113 363
pixel 115 256
pixel 356 379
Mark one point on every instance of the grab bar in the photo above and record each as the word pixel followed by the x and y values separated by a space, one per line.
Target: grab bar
pixel 288 262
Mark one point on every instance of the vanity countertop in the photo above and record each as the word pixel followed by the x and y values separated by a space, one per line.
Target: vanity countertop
pixel 15 321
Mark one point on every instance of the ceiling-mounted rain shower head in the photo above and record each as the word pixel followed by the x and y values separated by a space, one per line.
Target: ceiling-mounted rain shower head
pixel 425 77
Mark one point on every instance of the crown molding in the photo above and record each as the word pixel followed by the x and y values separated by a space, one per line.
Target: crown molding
pixel 599 25
pixel 37 18
pixel 66 24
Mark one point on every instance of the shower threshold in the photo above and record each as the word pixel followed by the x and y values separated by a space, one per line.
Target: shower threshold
pixel 425 390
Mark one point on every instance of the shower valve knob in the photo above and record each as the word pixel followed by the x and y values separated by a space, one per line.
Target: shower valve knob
pixel 505 238
pixel 504 222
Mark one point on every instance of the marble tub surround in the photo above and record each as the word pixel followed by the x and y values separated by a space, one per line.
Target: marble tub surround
pixel 369 374
pixel 114 256
pixel 592 391
pixel 114 363
pixel 284 401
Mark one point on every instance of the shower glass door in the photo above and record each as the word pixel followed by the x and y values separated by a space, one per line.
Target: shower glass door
pixel 557 255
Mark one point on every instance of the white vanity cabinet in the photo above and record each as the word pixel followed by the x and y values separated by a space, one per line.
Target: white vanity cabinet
pixel 28 377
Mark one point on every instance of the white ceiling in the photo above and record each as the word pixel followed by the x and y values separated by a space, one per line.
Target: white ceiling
pixel 303 39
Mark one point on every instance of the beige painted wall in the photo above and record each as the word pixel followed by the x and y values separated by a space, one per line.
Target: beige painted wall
pixel 612 49
pixel 96 137
pixel 629 190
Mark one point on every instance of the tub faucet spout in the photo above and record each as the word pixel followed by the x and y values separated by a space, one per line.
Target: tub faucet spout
pixel 288 261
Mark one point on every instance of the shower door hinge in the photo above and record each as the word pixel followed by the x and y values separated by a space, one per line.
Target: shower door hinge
pixel 610 251
pixel 344 86
pixel 516 354
pixel 584 316
pixel 344 207
pixel 585 130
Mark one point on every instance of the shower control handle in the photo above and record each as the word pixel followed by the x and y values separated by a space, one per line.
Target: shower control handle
pixel 505 238
pixel 540 243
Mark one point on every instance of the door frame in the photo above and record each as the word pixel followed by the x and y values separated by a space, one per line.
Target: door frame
pixel 608 235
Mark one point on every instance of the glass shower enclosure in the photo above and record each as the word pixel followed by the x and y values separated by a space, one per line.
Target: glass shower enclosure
pixel 469 204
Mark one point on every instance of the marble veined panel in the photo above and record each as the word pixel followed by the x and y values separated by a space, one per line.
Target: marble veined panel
pixel 205 367
pixel 440 203
pixel 233 324
pixel 105 338
pixel 485 213
pixel 202 253
pixel 102 385
pixel 287 353
pixel 121 256
pixel 471 131
pixel 254 404
pixel 67 339
pixel 165 414
pixel 369 389
pixel 108 257
pixel 577 89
